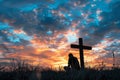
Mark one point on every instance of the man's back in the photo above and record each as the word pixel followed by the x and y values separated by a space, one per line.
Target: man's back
pixel 73 62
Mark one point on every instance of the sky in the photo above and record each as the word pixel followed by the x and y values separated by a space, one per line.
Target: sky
pixel 41 31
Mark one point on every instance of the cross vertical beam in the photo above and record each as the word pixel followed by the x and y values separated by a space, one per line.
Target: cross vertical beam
pixel 81 53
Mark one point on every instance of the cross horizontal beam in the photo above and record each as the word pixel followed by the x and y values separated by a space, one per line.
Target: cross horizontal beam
pixel 78 46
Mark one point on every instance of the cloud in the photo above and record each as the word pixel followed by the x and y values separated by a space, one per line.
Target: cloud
pixel 55 24
pixel 108 26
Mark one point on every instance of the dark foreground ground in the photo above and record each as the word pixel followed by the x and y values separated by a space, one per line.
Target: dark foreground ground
pixel 25 73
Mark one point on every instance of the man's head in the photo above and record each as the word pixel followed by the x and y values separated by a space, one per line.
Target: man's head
pixel 70 55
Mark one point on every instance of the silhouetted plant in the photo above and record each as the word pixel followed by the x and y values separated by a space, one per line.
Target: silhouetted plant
pixel 22 71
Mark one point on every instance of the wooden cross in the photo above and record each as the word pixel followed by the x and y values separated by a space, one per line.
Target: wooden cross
pixel 81 47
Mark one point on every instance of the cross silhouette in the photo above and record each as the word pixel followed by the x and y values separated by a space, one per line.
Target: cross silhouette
pixel 81 47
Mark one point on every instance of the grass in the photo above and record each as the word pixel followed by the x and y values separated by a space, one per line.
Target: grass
pixel 24 71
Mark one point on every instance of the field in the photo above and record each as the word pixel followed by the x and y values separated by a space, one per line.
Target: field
pixel 23 71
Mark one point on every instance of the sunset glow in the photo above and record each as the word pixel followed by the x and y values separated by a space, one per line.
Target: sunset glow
pixel 41 31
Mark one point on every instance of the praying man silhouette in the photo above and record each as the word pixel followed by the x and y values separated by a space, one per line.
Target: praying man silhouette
pixel 73 63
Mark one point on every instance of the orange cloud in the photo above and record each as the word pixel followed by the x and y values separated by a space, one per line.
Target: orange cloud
pixel 39 51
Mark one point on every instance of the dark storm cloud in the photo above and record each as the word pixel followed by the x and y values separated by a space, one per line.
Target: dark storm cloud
pixel 42 23
pixel 43 20
pixel 11 10
pixel 110 25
